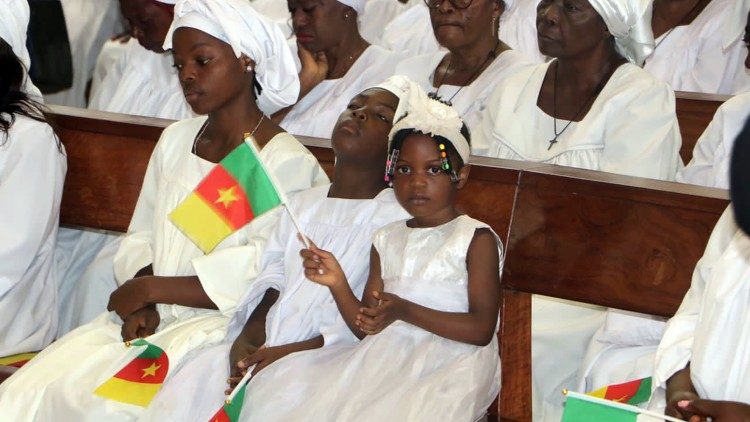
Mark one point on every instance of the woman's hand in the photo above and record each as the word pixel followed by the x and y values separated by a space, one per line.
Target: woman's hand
pixel 322 267
pixel 261 358
pixel 241 349
pixel 674 399
pixel 375 319
pixel 130 297
pixel 718 411
pixel 314 69
pixel 140 324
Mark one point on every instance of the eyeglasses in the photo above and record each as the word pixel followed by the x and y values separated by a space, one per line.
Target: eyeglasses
pixel 458 4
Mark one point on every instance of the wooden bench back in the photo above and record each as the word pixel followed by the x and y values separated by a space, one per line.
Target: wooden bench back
pixel 593 237
pixel 694 113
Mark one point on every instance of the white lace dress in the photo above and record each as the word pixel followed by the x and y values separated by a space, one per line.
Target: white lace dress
pixel 404 373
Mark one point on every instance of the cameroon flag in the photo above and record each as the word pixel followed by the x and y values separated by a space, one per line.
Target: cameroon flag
pixel 139 381
pixel 18 360
pixel 585 408
pixel 237 190
pixel 631 392
pixel 230 412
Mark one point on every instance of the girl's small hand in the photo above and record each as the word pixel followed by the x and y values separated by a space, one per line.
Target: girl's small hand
pixel 375 319
pixel 322 267
pixel 130 297
pixel 718 411
pixel 676 411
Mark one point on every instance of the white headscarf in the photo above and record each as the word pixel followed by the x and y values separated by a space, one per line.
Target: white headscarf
pixel 357 5
pixel 433 118
pixel 406 90
pixel 14 20
pixel 236 23
pixel 629 21
pixel 167 1
pixel 734 28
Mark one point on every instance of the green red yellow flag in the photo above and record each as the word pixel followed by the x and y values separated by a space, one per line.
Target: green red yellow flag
pixel 230 412
pixel 586 408
pixel 18 360
pixel 139 381
pixel 237 190
pixel 631 392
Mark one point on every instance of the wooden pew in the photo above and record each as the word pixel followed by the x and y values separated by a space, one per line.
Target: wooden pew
pixel 591 237
pixel 525 203
pixel 694 113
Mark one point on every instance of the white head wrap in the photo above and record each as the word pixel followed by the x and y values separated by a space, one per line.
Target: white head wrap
pixel 167 1
pixel 405 89
pixel 629 21
pixel 434 118
pixel 357 5
pixel 236 23
pixel 13 24
pixel 734 27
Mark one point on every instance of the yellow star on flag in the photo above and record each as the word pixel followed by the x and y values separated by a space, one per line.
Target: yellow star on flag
pixel 151 370
pixel 227 196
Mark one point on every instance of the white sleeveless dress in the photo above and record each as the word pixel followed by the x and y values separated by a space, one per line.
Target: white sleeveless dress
pixel 403 373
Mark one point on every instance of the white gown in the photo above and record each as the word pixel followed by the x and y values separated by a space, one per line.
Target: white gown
pixel 632 106
pixel 304 309
pixel 32 172
pixel 692 57
pixel 142 83
pixel 711 329
pixel 106 61
pixel 404 373
pixel 89 24
pixel 316 113
pixel 411 32
pixel 710 163
pixel 58 383
pixel 471 100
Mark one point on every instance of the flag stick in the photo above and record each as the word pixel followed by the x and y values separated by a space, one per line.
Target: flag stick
pixel 611 403
pixel 242 382
pixel 305 240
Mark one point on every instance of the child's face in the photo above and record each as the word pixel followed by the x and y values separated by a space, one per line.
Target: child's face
pixel 421 186
pixel 361 132
pixel 210 74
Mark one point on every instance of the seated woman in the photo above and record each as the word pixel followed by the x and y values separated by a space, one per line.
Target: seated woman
pixel 591 107
pixel 282 312
pixel 32 172
pixel 476 59
pixel 699 45
pixel 172 293
pixel 337 63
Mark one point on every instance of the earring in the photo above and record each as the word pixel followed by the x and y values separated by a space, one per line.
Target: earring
pixel 346 15
pixel 248 69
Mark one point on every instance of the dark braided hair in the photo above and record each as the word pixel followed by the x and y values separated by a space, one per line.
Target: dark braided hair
pixel 13 100
pixel 456 161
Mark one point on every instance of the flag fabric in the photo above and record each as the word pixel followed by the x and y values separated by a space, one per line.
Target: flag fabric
pixel 586 408
pixel 18 360
pixel 138 382
pixel 230 412
pixel 237 190
pixel 631 392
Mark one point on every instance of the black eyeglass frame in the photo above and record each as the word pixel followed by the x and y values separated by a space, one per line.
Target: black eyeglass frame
pixel 438 3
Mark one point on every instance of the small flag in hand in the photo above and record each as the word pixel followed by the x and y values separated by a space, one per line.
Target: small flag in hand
pixel 230 412
pixel 237 190
pixel 139 381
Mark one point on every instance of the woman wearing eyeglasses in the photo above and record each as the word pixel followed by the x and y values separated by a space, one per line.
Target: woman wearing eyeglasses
pixel 476 59
pixel 698 45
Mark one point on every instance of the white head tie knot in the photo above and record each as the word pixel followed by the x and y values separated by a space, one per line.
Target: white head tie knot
pixel 629 21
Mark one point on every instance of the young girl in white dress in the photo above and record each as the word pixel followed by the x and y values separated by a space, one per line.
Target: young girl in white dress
pixel 429 313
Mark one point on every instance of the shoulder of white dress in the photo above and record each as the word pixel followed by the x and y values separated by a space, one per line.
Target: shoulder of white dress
pixel 29 133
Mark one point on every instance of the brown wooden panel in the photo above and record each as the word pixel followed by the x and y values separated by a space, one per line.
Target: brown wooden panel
pixel 694 113
pixel 613 245
pixel 515 356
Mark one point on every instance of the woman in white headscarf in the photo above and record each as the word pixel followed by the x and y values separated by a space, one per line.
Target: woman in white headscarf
pixel 232 64
pixel 32 172
pixel 337 63
pixel 477 59
pixel 591 107
pixel 699 45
